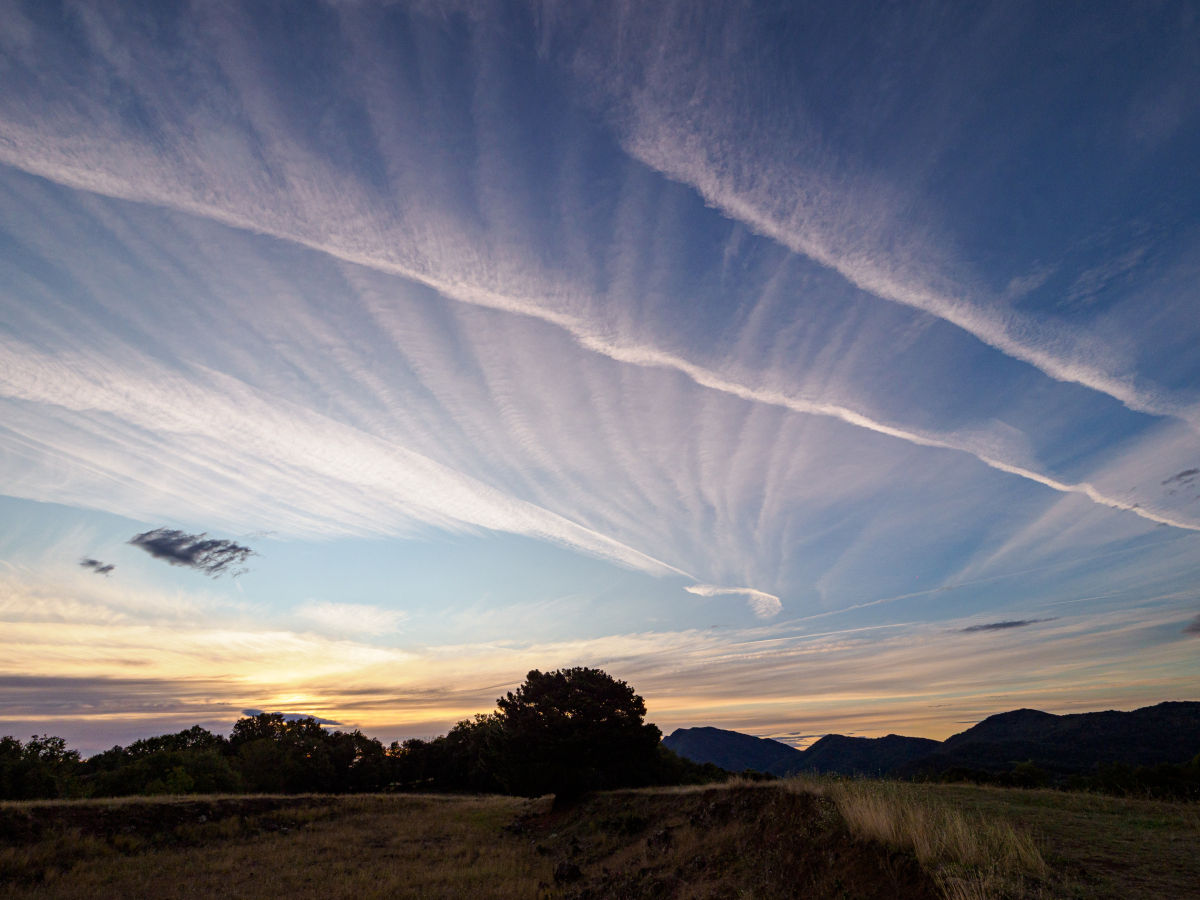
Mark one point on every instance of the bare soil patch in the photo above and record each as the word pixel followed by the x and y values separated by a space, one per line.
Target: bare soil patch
pixel 741 841
pixel 723 842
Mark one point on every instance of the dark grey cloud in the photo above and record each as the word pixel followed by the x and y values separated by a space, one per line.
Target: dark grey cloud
pixel 1183 477
pixel 1002 626
pixel 95 713
pixel 212 556
pixel 292 717
pixel 1193 627
pixel 96 566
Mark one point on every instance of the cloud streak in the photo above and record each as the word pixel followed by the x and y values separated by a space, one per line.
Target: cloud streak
pixel 449 255
pixel 363 484
pixel 764 605
pixel 210 556
pixel 902 678
pixel 96 566
pixel 778 176
pixel 352 618
pixel 1003 626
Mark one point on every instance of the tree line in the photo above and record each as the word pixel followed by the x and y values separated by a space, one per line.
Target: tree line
pixel 565 732
pixel 1164 781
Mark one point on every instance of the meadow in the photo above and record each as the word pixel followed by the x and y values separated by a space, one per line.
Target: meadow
pixel 802 837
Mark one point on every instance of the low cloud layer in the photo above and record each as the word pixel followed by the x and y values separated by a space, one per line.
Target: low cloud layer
pixel 1003 626
pixel 1193 627
pixel 292 716
pixel 212 556
pixel 96 566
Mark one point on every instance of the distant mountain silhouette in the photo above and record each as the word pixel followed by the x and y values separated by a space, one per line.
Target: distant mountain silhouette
pixel 730 750
pixel 833 753
pixel 1061 745
pixel 837 754
pixel 1065 745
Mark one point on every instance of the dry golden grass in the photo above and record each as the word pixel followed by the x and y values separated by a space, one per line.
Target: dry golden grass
pixel 1099 847
pixel 353 847
pixel 718 843
pixel 971 857
pixel 742 839
pixel 822 839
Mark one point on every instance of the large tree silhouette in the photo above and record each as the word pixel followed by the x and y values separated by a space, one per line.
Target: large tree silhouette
pixel 572 731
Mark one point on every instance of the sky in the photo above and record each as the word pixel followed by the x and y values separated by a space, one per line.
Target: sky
pixel 814 368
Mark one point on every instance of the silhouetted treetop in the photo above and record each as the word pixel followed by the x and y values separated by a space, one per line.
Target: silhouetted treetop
pixel 575 730
pixel 584 695
pixel 275 727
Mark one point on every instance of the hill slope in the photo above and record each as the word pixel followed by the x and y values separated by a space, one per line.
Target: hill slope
pixel 730 750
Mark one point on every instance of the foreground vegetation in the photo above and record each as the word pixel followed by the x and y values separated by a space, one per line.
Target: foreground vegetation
pixel 565 732
pixel 596 808
pixel 1161 782
pixel 817 838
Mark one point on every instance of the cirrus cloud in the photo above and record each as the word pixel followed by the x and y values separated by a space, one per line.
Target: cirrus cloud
pixel 764 605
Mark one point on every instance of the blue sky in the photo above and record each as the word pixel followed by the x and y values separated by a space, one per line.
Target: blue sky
pixel 758 355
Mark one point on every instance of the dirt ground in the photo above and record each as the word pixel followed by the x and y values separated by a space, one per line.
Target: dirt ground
pixel 746 841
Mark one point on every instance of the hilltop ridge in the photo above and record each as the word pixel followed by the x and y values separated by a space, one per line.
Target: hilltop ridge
pixel 1061 745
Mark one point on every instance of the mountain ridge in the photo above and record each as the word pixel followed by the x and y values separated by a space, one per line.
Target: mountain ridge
pixel 1062 745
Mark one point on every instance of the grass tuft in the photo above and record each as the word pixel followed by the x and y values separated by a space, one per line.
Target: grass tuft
pixel 970 857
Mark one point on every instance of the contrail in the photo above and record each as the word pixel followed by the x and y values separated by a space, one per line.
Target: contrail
pixel 92 179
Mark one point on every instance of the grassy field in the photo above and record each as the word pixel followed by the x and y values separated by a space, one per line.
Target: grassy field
pixel 1098 846
pixel 800 838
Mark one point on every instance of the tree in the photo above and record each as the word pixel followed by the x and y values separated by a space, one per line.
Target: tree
pixel 299 756
pixel 41 768
pixel 466 759
pixel 572 731
pixel 194 761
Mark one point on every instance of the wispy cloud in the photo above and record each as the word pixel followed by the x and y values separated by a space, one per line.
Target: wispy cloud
pixel 607 313
pixel 764 605
pixel 274 441
pixel 780 178
pixel 430 243
pixel 351 618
